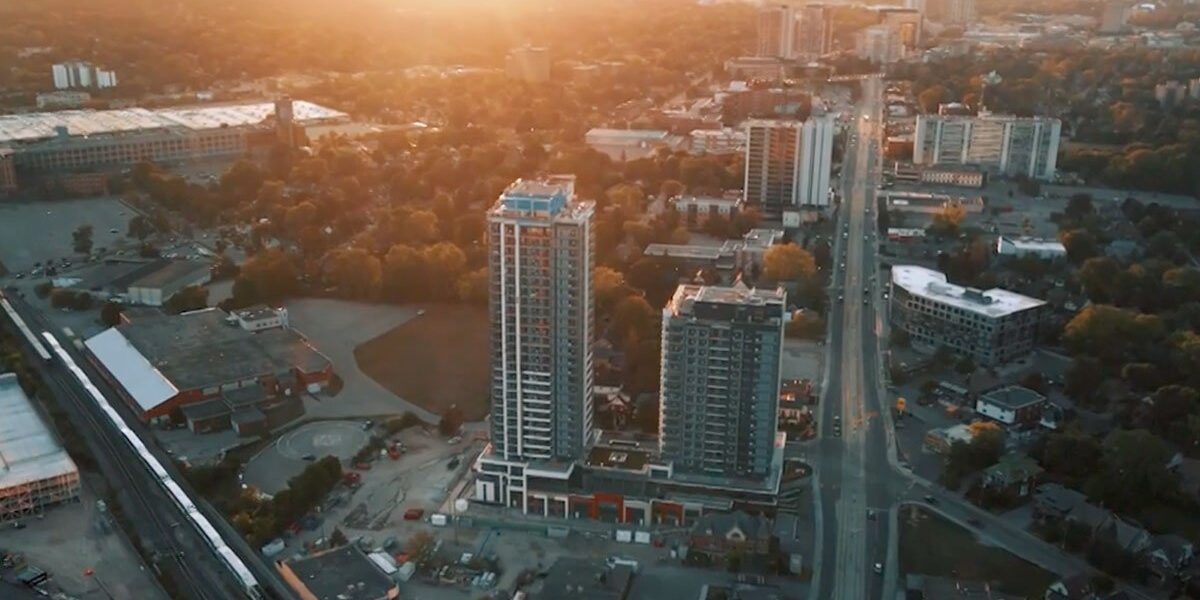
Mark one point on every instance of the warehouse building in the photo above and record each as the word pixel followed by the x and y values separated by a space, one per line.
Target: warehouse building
pixel 35 471
pixel 157 286
pixel 163 363
pixel 344 573
pixel 102 140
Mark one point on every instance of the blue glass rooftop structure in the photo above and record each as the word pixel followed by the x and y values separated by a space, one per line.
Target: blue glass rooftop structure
pixel 546 196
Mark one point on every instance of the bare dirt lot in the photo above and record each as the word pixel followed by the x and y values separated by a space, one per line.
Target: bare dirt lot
pixel 435 361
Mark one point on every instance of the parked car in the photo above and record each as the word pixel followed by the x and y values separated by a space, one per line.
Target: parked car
pixel 414 514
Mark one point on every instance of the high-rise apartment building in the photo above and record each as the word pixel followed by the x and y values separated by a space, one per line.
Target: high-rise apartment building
pixel 1002 144
pixel 814 31
pixel 721 358
pixel 878 44
pixel 951 12
pixel 906 25
pixel 540 261
pixel 79 74
pixel 776 28
pixel 788 163
pixel 1113 16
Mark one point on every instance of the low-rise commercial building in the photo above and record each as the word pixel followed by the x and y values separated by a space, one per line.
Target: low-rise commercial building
pixel 1013 405
pixel 1028 246
pixel 992 327
pixel 35 471
pixel 631 144
pixel 162 363
pixel 343 573
pixel 696 210
pixel 166 280
pixel 260 317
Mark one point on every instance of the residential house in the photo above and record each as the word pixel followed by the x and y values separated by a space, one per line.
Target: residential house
pixel 1013 406
pixel 1074 587
pixel 1168 556
pixel 1053 502
pixel 719 534
pixel 1017 473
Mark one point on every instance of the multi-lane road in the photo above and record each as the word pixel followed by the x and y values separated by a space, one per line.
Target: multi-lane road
pixel 860 481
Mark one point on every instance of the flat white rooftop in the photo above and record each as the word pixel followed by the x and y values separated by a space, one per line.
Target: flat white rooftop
pixel 37 126
pixel 1030 244
pixel 28 451
pixel 931 284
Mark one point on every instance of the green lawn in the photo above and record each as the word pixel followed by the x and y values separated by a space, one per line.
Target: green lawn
pixel 932 545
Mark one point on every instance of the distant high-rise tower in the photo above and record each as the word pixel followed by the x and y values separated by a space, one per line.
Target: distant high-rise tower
pixel 776 29
pixel 530 64
pixel 1113 16
pixel 951 12
pixel 788 163
pixel 540 258
pixel 80 74
pixel 722 352
pixel 814 31
pixel 285 122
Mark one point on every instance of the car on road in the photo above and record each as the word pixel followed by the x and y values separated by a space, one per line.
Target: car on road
pixel 309 457
pixel 453 464
pixel 931 500
pixel 878 568
pixel 974 522
pixel 839 299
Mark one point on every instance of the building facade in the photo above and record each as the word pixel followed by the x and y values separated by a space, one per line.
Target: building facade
pixel 879 45
pixel 541 248
pixel 1002 144
pixel 722 352
pixel 951 12
pixel 788 163
pixel 992 327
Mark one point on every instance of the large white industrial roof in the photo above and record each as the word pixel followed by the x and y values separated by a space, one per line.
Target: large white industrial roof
pixel 931 284
pixel 140 379
pixel 28 451
pixel 36 126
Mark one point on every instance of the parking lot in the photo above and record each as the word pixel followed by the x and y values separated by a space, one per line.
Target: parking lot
pixel 38 232
pixel 72 539
pixel 270 470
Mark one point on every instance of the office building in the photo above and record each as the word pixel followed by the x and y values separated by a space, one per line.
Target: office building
pixel 788 163
pixel 814 31
pixel 79 74
pixel 106 140
pixel 991 327
pixel 1113 16
pixel 950 12
pixel 540 261
pixel 530 64
pixel 1001 144
pixel 1012 405
pixel 35 471
pixel 721 358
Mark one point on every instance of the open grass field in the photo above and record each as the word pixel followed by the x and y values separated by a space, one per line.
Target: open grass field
pixel 434 361
pixel 932 545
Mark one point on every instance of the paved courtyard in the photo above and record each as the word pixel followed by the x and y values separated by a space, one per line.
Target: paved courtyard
pixel 336 328
pixel 270 470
